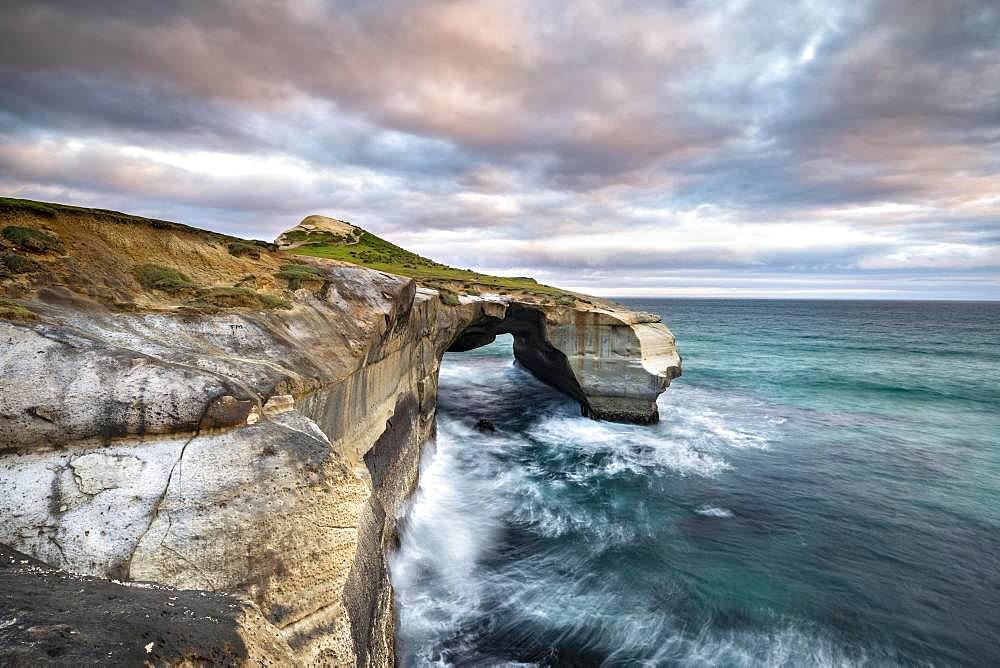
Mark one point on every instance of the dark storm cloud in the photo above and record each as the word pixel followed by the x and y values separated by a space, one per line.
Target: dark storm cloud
pixel 139 109
pixel 806 136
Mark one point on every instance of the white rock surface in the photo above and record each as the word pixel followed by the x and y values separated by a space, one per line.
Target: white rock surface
pixel 268 454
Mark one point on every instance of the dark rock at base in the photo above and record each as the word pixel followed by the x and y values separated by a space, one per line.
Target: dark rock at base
pixel 486 426
pixel 54 618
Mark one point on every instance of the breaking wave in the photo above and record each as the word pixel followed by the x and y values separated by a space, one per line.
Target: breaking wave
pixel 559 540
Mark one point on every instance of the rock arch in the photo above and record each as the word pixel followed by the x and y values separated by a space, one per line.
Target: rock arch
pixel 614 362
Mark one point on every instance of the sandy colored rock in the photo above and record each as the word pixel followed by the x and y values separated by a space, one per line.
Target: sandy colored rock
pixel 262 453
pixel 311 225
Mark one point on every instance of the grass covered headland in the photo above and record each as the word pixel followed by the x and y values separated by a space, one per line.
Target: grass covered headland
pixel 370 251
pixel 107 255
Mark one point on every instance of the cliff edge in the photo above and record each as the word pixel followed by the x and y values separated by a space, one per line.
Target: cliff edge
pixel 219 415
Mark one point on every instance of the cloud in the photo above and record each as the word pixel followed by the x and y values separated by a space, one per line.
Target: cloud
pixel 789 140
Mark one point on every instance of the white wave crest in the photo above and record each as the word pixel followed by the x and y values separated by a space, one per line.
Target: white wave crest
pixel 625 449
pixel 713 511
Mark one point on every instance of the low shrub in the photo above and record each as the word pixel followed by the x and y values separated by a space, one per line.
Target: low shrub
pixel 295 235
pixel 566 300
pixel 244 249
pixel 32 240
pixel 448 298
pixel 18 264
pixel 158 277
pixel 266 245
pixel 270 301
pixel 295 273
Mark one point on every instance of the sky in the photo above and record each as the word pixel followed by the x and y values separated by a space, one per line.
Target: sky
pixel 813 148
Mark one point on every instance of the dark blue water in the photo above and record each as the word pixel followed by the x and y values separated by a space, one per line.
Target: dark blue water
pixel 823 489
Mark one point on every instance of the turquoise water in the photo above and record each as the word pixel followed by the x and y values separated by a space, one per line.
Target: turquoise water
pixel 823 489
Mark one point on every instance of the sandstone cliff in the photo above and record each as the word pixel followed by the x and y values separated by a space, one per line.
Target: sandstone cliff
pixel 215 415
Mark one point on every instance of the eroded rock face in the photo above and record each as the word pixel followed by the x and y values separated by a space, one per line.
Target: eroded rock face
pixel 240 459
pixel 615 362
pixel 268 454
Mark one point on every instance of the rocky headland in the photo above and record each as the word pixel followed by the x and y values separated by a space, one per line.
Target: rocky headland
pixel 238 425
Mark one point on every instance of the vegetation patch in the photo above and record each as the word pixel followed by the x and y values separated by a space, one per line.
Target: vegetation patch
pixel 376 253
pixel 32 240
pixel 213 299
pixel 244 249
pixel 566 300
pixel 448 298
pixel 158 277
pixel 13 311
pixel 271 301
pixel 14 205
pixel 316 237
pixel 266 245
pixel 295 273
pixel 18 264
pixel 250 248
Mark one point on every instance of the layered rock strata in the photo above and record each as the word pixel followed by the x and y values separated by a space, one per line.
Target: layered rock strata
pixel 265 454
pixel 615 362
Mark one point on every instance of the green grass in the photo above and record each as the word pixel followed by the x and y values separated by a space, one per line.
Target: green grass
pixel 375 253
pixel 158 277
pixel 363 249
pixel 29 239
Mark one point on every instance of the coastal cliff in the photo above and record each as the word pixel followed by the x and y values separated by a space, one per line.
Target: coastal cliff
pixel 210 414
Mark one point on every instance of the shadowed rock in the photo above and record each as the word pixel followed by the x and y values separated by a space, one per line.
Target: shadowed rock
pixel 50 617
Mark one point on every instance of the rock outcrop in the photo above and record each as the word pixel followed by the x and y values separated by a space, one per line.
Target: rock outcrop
pixel 315 229
pixel 615 362
pixel 264 454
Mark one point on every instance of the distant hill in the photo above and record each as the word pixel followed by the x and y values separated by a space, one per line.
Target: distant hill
pixel 319 236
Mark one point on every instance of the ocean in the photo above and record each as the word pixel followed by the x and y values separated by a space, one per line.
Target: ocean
pixel 823 489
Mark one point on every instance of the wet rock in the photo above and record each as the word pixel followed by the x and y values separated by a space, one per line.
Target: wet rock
pixel 485 426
